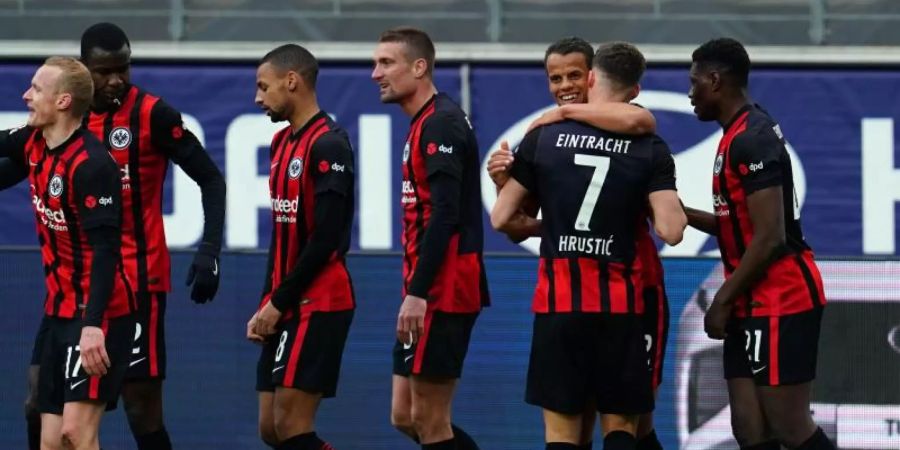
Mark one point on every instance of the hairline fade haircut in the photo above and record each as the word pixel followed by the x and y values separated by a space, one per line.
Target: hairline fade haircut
pixel 294 58
pixel 75 80
pixel 569 45
pixel 622 62
pixel 417 43
pixel 726 55
pixel 105 36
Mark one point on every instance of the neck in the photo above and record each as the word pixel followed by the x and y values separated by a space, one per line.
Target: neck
pixel 412 104
pixel 304 111
pixel 57 132
pixel 730 106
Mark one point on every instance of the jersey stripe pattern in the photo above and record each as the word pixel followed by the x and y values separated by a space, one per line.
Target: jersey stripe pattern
pixel 752 156
pixel 292 195
pixel 460 285
pixel 126 132
pixel 65 252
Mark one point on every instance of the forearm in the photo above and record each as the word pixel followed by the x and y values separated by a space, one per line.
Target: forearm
pixel 433 250
pixel 701 220
pixel 11 173
pixel 616 117
pixel 521 226
pixel 204 172
pixel 103 272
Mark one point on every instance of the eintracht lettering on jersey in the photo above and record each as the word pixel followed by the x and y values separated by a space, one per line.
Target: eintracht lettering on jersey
pixel 589 142
pixel 587 245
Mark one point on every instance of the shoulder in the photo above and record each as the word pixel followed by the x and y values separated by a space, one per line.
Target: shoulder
pixel 333 140
pixel 97 158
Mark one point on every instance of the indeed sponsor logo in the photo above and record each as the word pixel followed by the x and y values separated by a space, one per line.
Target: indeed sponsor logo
pixel 409 193
pixel 281 205
pixel 52 218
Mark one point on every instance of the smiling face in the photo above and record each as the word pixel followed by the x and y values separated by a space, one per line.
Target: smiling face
pixel 42 98
pixel 567 77
pixel 394 73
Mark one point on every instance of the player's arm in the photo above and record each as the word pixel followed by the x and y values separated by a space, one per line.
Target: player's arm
pixel 521 227
pixel 618 117
pixel 701 220
pixel 180 145
pixel 765 205
pixel 668 216
pixel 98 197
pixel 444 172
pixel 12 156
pixel 332 171
pixel 514 212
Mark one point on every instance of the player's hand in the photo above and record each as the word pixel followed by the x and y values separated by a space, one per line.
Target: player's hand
pixel 266 319
pixel 411 320
pixel 251 330
pixel 716 319
pixel 94 359
pixel 204 274
pixel 499 163
pixel 552 116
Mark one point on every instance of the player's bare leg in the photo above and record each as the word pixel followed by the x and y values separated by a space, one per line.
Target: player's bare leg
pixel 619 431
pixel 563 428
pixel 295 415
pixel 748 423
pixel 267 419
pixel 788 416
pixel 401 407
pixel 32 415
pixel 144 409
pixel 431 404
pixel 51 432
pixel 81 425
pixel 646 435
pixel 588 418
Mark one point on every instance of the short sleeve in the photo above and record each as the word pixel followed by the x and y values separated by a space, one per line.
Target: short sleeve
pixel 98 192
pixel 168 133
pixel 332 164
pixel 756 159
pixel 663 175
pixel 13 142
pixel 442 144
pixel 523 168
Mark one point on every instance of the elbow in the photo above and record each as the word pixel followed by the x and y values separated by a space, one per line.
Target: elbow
pixel 643 123
pixel 672 232
pixel 497 223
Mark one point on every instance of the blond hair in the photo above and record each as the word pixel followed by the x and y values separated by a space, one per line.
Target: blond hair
pixel 74 80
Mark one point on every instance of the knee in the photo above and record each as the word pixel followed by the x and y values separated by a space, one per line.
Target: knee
pixel 143 409
pixel 401 420
pixel 267 434
pixel 74 436
pixel 427 423
pixel 287 426
pixel 31 409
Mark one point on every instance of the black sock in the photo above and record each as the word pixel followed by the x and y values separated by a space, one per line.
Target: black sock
pixel 34 432
pixel 649 442
pixel 818 441
pixel 588 446
pixel 463 440
pixel 305 441
pixel 157 440
pixel 619 440
pixel 768 445
pixel 560 446
pixel 449 444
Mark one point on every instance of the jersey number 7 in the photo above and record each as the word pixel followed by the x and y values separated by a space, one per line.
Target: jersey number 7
pixel 601 169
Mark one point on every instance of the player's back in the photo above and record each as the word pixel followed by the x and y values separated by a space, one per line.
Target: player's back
pixel 592 186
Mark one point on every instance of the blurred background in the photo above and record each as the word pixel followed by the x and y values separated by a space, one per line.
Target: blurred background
pixel 827 70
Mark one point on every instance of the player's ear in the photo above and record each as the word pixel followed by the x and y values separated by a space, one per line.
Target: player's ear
pixel 592 79
pixel 63 101
pixel 420 67
pixel 293 81
pixel 715 80
pixel 635 91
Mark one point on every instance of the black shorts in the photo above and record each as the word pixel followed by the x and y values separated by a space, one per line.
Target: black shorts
pixel 62 378
pixel 39 341
pixel 774 351
pixel 656 329
pixel 577 358
pixel 305 353
pixel 442 348
pixel 148 353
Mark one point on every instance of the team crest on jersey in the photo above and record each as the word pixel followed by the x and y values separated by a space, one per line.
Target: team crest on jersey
pixel 295 168
pixel 56 186
pixel 406 152
pixel 718 167
pixel 120 138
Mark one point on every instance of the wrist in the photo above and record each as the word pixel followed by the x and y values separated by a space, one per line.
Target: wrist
pixel 208 249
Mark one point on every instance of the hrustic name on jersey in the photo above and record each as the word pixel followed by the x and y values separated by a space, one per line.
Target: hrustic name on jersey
pixel 585 141
pixel 586 245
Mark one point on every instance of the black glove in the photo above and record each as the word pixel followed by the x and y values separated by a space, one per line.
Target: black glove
pixel 204 274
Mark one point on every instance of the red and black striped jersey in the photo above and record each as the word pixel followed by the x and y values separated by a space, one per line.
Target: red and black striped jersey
pixel 313 160
pixel 441 146
pixel 143 134
pixel 752 156
pixel 74 189
pixel 592 187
